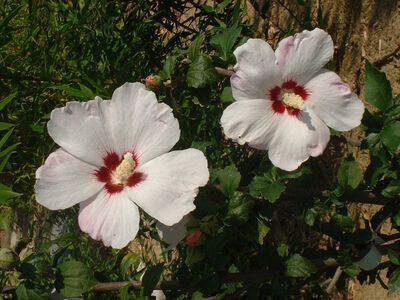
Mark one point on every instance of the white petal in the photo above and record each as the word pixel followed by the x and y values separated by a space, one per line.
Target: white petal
pixel 250 121
pixel 79 129
pixel 296 139
pixel 159 295
pixel 333 102
pixel 138 122
pixel 302 56
pixel 172 235
pixel 171 183
pixel 256 70
pixel 64 180
pixel 112 219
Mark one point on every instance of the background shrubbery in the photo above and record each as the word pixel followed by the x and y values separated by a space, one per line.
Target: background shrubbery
pixel 265 232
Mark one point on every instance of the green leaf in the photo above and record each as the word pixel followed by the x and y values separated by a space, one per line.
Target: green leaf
pixel 390 136
pixel 226 95
pixel 298 266
pixel 392 189
pixel 7 100
pixel 151 278
pixel 351 269
pixel 263 230
pixel 396 219
pixel 262 186
pixel 394 282
pixel 6 193
pixel 197 296
pixel 6 137
pixel 29 294
pixel 282 249
pixel 194 50
pixel 225 41
pixel 130 263
pixel 345 223
pixel 8 150
pixel 5 126
pixel 310 216
pixel 201 145
pixel 201 72
pixel 77 278
pixel 349 174
pixel 82 93
pixel 378 91
pixel 168 68
pixel 273 191
pixel 194 255
pixel 124 293
pixel 239 208
pixel 394 256
pixel 229 179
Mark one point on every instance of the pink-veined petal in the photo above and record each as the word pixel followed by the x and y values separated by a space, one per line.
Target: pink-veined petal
pixel 171 183
pixel 64 181
pixel 296 139
pixel 136 121
pixel 302 56
pixel 112 219
pixel 256 70
pixel 333 102
pixel 250 121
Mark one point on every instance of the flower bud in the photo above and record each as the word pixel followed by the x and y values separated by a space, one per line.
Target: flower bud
pixel 193 238
pixel 153 81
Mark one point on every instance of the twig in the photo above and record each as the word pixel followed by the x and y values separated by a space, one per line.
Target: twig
pixel 334 280
pixel 290 12
pixel 378 276
pixel 224 72
pixel 385 59
pixel 250 277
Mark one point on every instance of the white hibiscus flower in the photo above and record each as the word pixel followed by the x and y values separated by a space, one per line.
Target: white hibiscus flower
pixel 113 158
pixel 286 99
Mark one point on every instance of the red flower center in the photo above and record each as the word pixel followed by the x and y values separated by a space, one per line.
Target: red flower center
pixel 289 89
pixel 119 172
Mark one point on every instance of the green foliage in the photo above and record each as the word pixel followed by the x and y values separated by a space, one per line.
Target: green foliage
pixel 390 136
pixel 225 41
pixel 299 266
pixel 226 95
pixel 229 179
pixel 378 91
pixel 201 72
pixel 24 293
pixel 252 216
pixel 77 278
pixel 349 175
pixel 6 193
pixel 394 282
pixel 268 186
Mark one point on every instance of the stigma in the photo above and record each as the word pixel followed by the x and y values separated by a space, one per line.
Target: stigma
pixel 293 100
pixel 121 174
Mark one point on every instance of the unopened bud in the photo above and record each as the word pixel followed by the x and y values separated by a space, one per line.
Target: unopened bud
pixel 193 239
pixel 153 81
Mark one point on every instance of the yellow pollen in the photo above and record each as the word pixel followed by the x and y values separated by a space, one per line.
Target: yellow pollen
pixel 293 100
pixel 124 170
